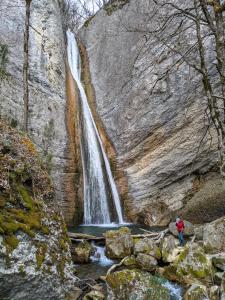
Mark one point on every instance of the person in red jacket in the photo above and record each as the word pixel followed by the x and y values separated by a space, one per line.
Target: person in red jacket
pixel 180 229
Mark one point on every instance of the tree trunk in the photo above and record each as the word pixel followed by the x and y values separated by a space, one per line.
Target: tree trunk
pixel 26 65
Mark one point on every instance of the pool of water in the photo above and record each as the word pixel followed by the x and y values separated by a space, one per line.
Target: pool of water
pixel 98 230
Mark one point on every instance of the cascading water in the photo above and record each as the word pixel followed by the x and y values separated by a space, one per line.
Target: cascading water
pixel 94 159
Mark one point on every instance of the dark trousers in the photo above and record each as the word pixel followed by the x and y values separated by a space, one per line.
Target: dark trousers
pixel 181 238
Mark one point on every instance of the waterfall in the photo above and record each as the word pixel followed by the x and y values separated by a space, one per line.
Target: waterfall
pixel 97 174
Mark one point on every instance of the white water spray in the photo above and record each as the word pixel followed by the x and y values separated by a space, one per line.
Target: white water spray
pixel 96 204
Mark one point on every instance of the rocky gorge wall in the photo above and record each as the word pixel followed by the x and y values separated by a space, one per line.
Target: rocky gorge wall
pixel 153 126
pixel 50 126
pixel 154 118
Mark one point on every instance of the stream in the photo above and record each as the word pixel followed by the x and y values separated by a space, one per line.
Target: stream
pixel 99 263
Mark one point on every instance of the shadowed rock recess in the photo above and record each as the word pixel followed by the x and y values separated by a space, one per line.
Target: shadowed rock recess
pixel 35 259
pixel 153 115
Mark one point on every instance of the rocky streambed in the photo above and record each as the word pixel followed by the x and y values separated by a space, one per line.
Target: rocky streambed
pixel 120 264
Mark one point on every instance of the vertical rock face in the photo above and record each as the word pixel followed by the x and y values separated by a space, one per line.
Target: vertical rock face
pixel 153 116
pixel 47 100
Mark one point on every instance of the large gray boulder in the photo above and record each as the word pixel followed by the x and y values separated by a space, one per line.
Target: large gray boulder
pixel 146 262
pixel 188 230
pixel 147 246
pixel 135 284
pixel 169 249
pixel 213 236
pixel 119 243
pixel 81 252
pixel 197 292
pixel 218 261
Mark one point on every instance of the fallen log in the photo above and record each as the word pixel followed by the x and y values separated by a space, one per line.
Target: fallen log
pixel 82 236
pixel 79 237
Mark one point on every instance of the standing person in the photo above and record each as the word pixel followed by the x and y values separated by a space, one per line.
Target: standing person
pixel 180 229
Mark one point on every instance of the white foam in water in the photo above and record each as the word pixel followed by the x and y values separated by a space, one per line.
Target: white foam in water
pixel 100 257
pixel 96 208
pixel 175 290
pixel 110 225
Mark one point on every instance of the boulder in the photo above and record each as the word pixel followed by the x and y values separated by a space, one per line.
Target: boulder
pixel 94 295
pixel 169 249
pixel 222 288
pixel 188 230
pixel 81 252
pixel 217 279
pixel 130 261
pixel 147 246
pixel 213 236
pixel 196 292
pixel 198 232
pixel 136 284
pixel 214 292
pixel 192 265
pixel 218 261
pixel 146 262
pixel 119 243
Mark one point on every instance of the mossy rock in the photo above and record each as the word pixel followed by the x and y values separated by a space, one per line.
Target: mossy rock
pixel 196 292
pixel 194 265
pixel 135 284
pixel 119 243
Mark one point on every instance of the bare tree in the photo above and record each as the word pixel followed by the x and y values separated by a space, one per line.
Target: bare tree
pixel 193 31
pixel 75 13
pixel 26 65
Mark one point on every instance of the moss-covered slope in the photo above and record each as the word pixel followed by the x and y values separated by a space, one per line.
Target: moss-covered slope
pixel 33 241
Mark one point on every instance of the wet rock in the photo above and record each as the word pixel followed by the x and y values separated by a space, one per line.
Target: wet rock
pixel 169 249
pixel 147 246
pixel 214 293
pixel 94 295
pixel 81 252
pixel 218 261
pixel 213 236
pixel 146 262
pixel 135 284
pixel 119 243
pixel 196 292
pixel 188 230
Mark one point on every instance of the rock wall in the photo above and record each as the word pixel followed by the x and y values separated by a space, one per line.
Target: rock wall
pixel 35 258
pixel 48 117
pixel 153 116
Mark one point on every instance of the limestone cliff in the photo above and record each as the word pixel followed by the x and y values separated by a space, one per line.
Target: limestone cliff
pixel 48 119
pixel 35 260
pixel 153 117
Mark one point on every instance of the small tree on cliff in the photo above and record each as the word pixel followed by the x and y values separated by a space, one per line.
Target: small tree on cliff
pixel 26 65
pixel 175 23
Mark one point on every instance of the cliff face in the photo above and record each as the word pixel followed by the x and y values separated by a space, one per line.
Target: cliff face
pixel 154 117
pixel 47 88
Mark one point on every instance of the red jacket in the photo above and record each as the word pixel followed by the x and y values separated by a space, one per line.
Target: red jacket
pixel 180 226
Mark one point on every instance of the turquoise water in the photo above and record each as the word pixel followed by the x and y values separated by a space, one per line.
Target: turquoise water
pixel 99 230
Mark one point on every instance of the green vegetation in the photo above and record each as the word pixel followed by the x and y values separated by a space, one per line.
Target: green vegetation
pixel 40 255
